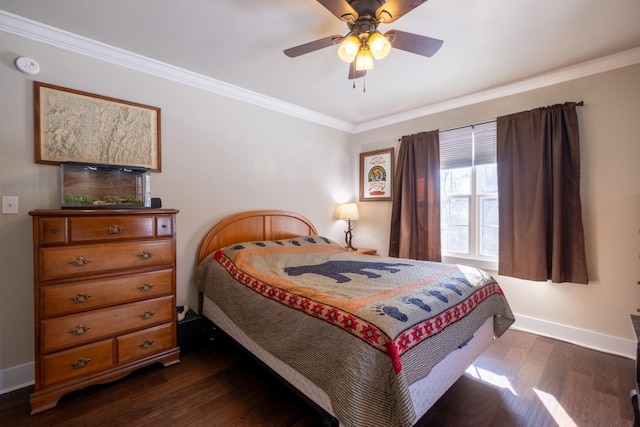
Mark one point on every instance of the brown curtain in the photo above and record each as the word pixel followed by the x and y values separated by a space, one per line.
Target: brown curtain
pixel 541 233
pixel 415 213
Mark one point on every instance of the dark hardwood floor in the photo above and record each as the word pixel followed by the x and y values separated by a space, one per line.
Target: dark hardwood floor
pixel 522 380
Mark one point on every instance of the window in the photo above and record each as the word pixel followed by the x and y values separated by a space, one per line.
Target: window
pixel 469 196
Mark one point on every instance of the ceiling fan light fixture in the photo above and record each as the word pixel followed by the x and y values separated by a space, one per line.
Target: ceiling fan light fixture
pixel 349 49
pixel 364 60
pixel 364 44
pixel 379 45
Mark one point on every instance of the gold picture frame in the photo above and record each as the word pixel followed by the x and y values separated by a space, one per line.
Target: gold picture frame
pixel 76 126
pixel 376 175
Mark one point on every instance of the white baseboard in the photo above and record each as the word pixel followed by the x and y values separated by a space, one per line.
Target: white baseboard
pixel 21 376
pixel 16 377
pixel 582 337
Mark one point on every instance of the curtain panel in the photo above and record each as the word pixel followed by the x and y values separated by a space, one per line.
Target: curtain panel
pixel 541 231
pixel 415 212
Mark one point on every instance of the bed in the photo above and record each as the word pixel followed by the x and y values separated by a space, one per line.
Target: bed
pixel 367 340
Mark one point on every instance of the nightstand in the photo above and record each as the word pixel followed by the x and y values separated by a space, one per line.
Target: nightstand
pixel 363 251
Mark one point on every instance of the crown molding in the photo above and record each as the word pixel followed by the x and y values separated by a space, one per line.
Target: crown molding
pixel 46 34
pixel 33 30
pixel 585 69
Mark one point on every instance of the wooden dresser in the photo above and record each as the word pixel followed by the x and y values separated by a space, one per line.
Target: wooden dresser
pixel 104 296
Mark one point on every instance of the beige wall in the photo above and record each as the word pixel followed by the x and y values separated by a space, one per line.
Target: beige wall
pixel 609 126
pixel 219 156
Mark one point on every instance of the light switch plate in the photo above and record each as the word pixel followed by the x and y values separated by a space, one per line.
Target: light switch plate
pixel 9 205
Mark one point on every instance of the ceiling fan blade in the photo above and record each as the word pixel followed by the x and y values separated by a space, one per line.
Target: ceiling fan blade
pixel 414 43
pixel 292 52
pixel 396 8
pixel 341 9
pixel 353 73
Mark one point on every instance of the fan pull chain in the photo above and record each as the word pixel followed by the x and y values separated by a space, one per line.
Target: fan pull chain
pixel 364 84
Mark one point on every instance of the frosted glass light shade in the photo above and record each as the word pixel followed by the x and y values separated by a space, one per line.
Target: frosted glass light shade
pixel 349 211
pixel 349 49
pixel 379 45
pixel 364 60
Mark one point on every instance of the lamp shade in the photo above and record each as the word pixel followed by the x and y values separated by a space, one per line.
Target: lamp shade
pixel 364 59
pixel 348 211
pixel 379 45
pixel 349 49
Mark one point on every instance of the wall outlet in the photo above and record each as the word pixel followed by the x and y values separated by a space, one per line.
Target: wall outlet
pixel 9 205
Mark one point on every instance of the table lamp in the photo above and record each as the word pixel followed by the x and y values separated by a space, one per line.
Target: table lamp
pixel 349 211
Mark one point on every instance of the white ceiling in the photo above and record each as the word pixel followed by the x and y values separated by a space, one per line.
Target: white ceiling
pixel 487 44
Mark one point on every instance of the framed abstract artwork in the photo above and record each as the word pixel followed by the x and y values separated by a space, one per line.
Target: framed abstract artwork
pixel 376 175
pixel 75 126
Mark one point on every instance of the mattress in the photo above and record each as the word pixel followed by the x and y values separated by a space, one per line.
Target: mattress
pixel 424 392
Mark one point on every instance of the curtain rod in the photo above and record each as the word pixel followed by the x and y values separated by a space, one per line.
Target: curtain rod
pixel 578 104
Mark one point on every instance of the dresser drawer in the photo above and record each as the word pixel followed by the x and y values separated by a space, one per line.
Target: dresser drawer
pixel 75 329
pixel 164 226
pixel 77 362
pixel 83 229
pixel 61 262
pixel 52 230
pixel 90 294
pixel 143 343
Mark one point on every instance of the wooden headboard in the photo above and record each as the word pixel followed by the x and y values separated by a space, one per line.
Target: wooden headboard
pixel 255 225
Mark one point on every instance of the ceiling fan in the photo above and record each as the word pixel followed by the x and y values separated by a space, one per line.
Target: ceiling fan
pixel 364 42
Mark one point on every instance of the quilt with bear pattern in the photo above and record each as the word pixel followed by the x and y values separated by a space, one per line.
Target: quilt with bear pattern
pixel 361 327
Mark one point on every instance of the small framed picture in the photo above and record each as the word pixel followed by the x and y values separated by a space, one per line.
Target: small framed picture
pixel 376 175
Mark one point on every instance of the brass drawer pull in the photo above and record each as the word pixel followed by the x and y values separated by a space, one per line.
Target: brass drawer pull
pixel 145 287
pixel 146 344
pixel 80 298
pixel 147 315
pixel 79 262
pixel 114 229
pixel 145 255
pixel 81 363
pixel 79 330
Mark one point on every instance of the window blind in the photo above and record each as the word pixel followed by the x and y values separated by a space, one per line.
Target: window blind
pixel 468 146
